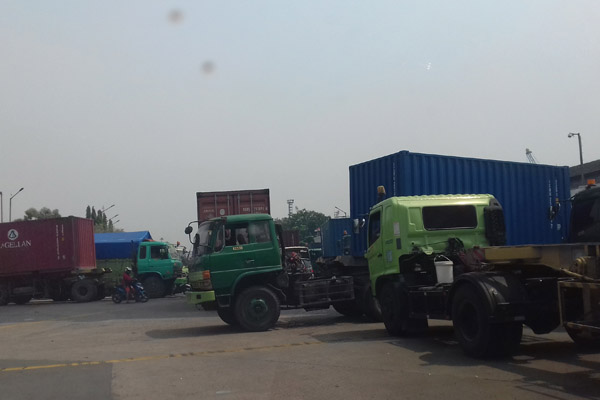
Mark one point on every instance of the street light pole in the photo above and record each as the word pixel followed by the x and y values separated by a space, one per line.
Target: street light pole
pixel 571 134
pixel 104 209
pixel 10 205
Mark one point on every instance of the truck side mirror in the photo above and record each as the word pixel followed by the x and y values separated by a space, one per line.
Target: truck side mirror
pixel 188 230
pixel 358 224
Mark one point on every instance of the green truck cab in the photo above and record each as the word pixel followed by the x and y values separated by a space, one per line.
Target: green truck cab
pixel 155 264
pixel 240 269
pixel 404 228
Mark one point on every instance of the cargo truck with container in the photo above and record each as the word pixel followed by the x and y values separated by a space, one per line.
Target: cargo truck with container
pixel 49 258
pixel 533 279
pixel 155 264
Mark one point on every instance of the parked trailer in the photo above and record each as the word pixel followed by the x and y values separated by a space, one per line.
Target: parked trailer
pixel 50 258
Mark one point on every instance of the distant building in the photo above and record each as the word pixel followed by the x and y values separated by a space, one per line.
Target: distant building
pixel 589 170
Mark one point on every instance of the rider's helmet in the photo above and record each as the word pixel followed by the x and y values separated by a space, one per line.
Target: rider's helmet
pixel 128 270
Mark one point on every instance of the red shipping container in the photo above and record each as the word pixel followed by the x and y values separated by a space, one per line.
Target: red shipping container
pixel 47 246
pixel 220 204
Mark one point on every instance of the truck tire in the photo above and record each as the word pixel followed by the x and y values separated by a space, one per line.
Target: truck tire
pixel 4 295
pixel 154 287
pixel 227 315
pixel 395 311
pixel 476 335
pixel 371 306
pixel 84 290
pixel 257 309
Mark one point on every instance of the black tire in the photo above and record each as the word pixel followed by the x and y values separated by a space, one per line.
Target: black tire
pixel 227 315
pixel 395 311
pixel 22 299
pixel 116 298
pixel 371 306
pixel 154 287
pixel 84 290
pixel 476 335
pixel 257 309
pixel 584 340
pixel 350 308
pixel 4 295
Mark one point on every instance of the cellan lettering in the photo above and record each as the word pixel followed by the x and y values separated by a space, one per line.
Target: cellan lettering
pixel 15 244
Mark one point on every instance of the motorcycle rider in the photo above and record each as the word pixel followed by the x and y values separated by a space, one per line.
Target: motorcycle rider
pixel 128 283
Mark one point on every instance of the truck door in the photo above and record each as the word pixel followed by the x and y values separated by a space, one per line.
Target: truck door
pixel 160 261
pixel 374 252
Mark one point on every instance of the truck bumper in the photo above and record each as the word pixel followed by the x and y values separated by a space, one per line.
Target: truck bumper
pixel 200 297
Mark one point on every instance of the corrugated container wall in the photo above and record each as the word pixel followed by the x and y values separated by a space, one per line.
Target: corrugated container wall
pixel 526 191
pixel 332 236
pixel 220 204
pixel 47 246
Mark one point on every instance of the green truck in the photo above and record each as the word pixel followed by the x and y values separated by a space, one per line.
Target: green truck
pixel 241 270
pixel 156 264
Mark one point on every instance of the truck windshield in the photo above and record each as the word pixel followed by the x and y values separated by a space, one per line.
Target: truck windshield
pixel 203 236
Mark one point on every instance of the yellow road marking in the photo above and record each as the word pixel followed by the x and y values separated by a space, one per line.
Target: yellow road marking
pixel 158 357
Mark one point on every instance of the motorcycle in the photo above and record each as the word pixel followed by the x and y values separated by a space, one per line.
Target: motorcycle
pixel 139 295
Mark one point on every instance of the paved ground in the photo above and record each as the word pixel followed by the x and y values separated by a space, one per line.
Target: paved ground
pixel 166 349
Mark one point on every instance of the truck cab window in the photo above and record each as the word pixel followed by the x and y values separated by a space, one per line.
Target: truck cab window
pixel 374 227
pixel 259 232
pixel 449 217
pixel 159 253
pixel 142 252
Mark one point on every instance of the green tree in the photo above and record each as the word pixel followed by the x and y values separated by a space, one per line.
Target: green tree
pixel 101 222
pixel 305 221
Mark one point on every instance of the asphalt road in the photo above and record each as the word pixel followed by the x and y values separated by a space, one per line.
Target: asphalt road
pixel 166 349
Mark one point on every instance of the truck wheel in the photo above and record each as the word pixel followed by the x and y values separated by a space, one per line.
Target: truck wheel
pixel 22 299
pixel 154 287
pixel 394 310
pixel 350 308
pixel 84 290
pixel 257 309
pixel 371 306
pixel 227 315
pixel 4 294
pixel 476 335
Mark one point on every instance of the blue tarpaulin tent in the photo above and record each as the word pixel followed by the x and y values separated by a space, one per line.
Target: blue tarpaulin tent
pixel 118 245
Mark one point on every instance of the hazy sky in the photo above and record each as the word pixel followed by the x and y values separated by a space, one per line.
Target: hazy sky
pixel 142 104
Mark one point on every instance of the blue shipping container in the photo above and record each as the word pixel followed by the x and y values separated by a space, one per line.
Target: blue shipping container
pixel 526 191
pixel 118 244
pixel 333 234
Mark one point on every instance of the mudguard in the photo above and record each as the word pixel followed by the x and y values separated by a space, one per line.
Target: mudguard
pixel 503 293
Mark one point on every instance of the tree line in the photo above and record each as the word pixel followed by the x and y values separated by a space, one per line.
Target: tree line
pixel 101 222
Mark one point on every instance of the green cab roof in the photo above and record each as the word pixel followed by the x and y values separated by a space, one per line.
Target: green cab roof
pixel 439 199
